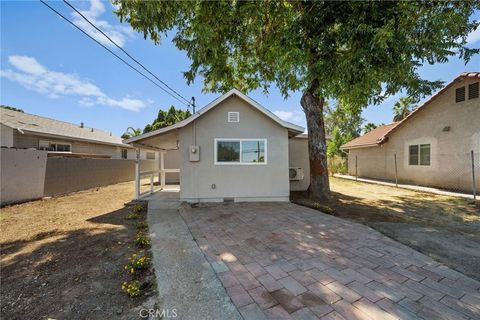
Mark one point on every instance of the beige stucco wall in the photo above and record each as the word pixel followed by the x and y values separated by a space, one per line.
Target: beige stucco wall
pixel 6 136
pixel 298 157
pixel 22 174
pixel 25 141
pixel 268 182
pixel 450 151
pixel 65 175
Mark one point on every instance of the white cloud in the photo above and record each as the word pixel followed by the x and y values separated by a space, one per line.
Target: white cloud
pixel 33 76
pixel 290 116
pixel 474 36
pixel 117 33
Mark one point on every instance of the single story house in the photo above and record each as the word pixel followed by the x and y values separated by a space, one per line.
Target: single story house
pixel 234 149
pixel 27 131
pixel 430 147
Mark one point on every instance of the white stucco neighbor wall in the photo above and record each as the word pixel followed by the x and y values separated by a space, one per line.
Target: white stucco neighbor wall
pixel 450 165
pixel 22 174
pixel 247 182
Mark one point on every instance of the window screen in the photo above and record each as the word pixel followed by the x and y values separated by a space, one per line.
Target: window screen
pixel 424 154
pixel 63 147
pixel 413 155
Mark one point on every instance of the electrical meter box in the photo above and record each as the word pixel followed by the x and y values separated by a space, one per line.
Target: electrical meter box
pixel 194 152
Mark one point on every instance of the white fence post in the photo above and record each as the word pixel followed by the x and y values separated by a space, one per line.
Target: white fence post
pixel 137 174
pixel 474 187
pixel 162 169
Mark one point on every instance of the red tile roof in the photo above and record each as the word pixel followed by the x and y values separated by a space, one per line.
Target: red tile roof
pixel 371 138
pixel 380 134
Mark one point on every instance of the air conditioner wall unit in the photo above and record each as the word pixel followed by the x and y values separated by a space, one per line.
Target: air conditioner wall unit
pixel 295 173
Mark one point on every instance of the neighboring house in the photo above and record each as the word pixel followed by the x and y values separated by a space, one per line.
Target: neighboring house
pixel 27 131
pixel 432 145
pixel 234 150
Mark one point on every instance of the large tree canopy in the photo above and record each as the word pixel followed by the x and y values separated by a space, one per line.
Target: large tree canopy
pixel 359 52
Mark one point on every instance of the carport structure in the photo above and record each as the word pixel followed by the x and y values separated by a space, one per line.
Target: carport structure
pixel 164 141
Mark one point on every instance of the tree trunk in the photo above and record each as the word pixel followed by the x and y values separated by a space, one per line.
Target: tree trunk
pixel 317 149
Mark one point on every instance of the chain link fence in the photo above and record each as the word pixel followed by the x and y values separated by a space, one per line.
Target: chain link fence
pixel 451 172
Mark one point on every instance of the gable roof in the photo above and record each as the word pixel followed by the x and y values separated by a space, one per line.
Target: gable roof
pixel 33 124
pixel 371 138
pixel 462 76
pixel 233 92
pixel 381 136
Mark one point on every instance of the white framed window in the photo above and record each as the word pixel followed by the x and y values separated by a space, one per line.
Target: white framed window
pixel 54 146
pixel 124 153
pixel 233 117
pixel 419 154
pixel 240 151
pixel 150 155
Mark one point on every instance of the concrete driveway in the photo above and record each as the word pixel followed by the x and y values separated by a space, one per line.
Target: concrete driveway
pixel 283 261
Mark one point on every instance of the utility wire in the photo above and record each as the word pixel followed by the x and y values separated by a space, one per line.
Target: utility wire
pixel 124 51
pixel 113 53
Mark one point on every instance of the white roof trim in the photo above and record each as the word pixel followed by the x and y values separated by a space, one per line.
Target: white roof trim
pixel 211 105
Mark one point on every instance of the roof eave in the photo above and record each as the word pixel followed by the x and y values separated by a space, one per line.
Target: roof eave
pixel 59 136
pixel 367 145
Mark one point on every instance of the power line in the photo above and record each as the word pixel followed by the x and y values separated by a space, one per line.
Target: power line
pixel 113 53
pixel 124 51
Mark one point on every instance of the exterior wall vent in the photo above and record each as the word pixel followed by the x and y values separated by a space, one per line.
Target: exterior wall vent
pixel 233 117
pixel 460 94
pixel 473 91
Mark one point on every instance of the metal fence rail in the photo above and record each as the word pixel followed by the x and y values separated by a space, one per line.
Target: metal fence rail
pixel 457 173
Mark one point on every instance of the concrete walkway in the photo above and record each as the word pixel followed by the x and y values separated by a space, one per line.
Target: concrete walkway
pixel 186 282
pixel 408 186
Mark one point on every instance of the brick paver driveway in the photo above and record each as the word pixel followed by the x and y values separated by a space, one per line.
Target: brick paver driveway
pixel 283 261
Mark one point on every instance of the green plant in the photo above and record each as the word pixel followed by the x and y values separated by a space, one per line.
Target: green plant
pixel 139 208
pixel 132 216
pixel 132 288
pixel 142 225
pixel 337 164
pixel 142 240
pixel 136 263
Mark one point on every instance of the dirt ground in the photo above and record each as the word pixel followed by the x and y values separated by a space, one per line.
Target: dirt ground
pixel 63 258
pixel 445 228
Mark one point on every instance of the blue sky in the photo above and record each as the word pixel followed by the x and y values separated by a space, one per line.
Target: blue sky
pixel 49 68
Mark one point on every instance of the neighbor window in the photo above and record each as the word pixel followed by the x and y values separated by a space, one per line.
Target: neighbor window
pixel 124 153
pixel 460 94
pixel 473 90
pixel 54 146
pixel 240 151
pixel 419 154
pixel 150 155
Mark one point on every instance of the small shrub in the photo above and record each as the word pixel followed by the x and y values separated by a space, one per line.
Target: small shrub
pixel 139 208
pixel 132 288
pixel 142 225
pixel 337 164
pixel 137 263
pixel 132 216
pixel 142 240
